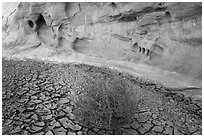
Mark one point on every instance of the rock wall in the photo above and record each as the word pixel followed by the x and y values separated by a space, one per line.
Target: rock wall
pixel 164 37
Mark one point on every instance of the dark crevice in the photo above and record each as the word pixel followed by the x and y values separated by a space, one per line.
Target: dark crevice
pixel 12 12
pixel 144 32
pixel 168 16
pixel 30 23
pixel 151 9
pixel 121 37
pixel 113 5
pixel 167 13
pixel 159 9
pixel 40 22
pixel 143 50
pixel 133 16
pixel 60 27
pixel 135 45
pixel 161 3
pixel 148 52
pixel 140 49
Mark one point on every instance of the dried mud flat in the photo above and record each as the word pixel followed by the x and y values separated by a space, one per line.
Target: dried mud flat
pixel 52 99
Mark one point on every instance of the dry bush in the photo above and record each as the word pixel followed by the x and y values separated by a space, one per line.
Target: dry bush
pixel 105 104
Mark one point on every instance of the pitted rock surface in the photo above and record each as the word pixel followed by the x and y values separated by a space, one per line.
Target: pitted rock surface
pixel 161 41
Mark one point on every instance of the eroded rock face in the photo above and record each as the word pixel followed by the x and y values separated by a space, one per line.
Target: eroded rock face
pixel 165 37
pixel 159 43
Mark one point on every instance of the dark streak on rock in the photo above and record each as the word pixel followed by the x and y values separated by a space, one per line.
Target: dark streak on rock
pixel 133 15
pixel 117 36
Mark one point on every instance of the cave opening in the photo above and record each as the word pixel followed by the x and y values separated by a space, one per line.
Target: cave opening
pixel 168 16
pixel 168 13
pixel 40 22
pixel 143 50
pixel 140 49
pixel 135 45
pixel 148 52
pixel 30 23
pixel 113 4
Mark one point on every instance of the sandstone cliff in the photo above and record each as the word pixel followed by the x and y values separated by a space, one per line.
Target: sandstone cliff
pixel 158 41
pixel 63 64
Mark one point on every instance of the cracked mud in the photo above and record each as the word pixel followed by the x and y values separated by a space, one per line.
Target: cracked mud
pixel 55 99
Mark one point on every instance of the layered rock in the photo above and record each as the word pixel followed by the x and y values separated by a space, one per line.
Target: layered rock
pixel 158 41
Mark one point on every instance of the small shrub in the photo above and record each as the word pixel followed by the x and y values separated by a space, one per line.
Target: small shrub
pixel 105 105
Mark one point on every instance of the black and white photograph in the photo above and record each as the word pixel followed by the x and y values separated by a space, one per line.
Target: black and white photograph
pixel 101 68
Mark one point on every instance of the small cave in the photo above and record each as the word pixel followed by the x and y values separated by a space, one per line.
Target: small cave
pixel 148 52
pixel 168 16
pixel 143 50
pixel 45 33
pixel 113 5
pixel 30 23
pixel 161 3
pixel 140 49
pixel 167 13
pixel 40 22
pixel 135 45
